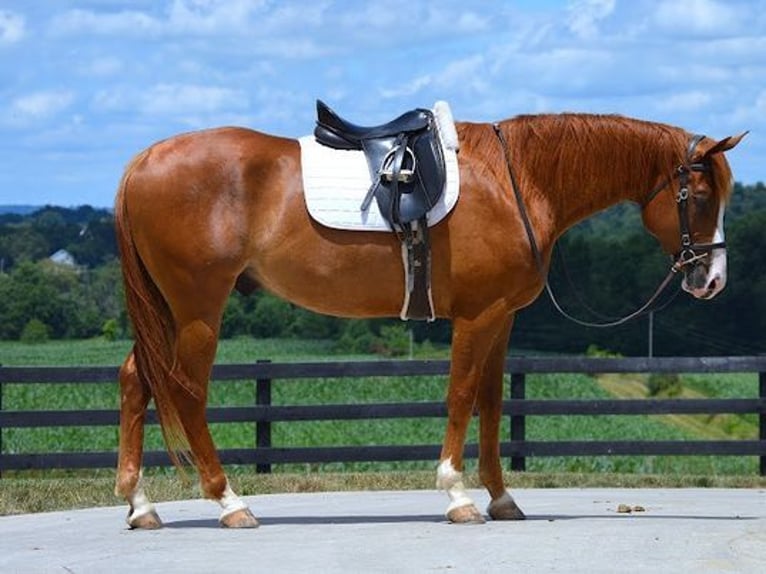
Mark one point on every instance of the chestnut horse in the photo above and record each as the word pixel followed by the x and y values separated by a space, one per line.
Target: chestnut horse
pixel 201 214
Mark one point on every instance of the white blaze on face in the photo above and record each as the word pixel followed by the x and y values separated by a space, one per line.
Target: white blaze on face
pixel 716 275
pixel 718 257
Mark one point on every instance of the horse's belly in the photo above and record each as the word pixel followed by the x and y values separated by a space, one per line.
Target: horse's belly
pixel 341 280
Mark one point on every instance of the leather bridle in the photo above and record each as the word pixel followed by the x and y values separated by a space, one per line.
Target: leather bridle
pixel 689 253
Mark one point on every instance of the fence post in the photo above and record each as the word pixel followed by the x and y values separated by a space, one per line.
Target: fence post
pixel 263 428
pixel 762 418
pixel 1 428
pixel 518 422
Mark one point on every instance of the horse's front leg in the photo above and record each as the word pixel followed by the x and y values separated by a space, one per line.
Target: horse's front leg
pixel 502 505
pixel 472 341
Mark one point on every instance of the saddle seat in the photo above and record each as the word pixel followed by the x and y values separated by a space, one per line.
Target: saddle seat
pixel 336 132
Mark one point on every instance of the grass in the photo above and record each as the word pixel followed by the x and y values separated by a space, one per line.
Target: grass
pixel 86 488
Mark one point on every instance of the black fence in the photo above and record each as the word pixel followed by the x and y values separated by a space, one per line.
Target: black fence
pixel 263 413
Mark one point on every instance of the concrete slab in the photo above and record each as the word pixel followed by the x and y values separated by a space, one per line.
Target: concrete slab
pixel 568 530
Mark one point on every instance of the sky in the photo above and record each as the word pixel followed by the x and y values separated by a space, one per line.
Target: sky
pixel 87 84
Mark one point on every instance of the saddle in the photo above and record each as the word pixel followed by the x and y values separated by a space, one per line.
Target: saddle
pixel 404 157
pixel 407 173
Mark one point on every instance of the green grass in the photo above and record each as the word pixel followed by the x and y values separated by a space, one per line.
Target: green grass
pixel 367 432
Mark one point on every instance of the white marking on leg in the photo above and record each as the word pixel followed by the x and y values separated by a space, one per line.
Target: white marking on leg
pixel 451 481
pixel 140 505
pixel 230 502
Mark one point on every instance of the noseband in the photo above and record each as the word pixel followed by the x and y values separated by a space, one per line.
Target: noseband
pixel 690 252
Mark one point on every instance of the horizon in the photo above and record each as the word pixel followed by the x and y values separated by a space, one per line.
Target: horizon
pixel 88 84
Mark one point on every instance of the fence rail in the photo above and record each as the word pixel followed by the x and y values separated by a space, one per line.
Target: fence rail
pixel 263 413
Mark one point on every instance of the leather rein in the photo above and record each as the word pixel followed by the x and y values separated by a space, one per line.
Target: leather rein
pixel 690 252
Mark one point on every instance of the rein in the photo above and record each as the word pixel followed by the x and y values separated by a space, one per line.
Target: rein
pixel 690 252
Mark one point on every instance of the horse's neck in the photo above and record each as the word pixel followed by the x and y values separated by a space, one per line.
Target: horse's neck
pixel 584 164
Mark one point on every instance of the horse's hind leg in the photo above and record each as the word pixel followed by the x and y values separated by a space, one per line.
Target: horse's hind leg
pixel 134 398
pixel 195 351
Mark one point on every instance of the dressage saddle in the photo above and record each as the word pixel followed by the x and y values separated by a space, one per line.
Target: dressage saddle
pixel 404 157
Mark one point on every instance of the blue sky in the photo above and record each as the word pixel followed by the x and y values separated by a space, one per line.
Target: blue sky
pixel 86 84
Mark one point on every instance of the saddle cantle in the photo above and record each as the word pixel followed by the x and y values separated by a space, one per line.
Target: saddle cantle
pixel 404 157
pixel 407 170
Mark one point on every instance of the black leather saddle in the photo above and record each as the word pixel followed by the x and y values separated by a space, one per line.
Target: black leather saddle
pixel 404 157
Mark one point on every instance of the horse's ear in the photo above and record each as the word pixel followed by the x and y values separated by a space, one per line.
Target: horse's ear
pixel 725 144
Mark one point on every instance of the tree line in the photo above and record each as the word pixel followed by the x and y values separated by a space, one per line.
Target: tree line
pixel 604 267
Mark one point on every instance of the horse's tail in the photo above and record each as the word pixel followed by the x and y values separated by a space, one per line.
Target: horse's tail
pixel 153 326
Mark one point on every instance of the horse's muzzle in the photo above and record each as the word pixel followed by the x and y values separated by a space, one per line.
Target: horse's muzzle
pixel 706 278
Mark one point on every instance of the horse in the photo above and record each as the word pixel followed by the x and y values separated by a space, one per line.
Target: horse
pixel 201 214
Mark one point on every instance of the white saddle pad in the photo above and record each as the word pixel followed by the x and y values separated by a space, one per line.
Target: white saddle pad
pixel 336 181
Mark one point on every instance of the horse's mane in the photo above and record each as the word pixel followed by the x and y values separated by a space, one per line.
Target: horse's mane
pixel 569 152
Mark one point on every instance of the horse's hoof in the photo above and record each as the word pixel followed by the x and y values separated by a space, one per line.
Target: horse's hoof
pixel 467 514
pixel 504 508
pixel 240 519
pixel 147 521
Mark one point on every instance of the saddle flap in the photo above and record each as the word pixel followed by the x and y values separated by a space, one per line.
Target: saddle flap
pixel 403 200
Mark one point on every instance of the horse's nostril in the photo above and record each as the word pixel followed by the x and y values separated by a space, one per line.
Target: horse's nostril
pixel 715 285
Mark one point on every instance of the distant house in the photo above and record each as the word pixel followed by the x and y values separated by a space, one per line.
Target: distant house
pixel 63 257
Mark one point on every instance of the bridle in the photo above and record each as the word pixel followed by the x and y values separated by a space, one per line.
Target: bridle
pixel 689 253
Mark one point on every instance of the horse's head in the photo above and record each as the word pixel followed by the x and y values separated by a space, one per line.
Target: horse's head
pixel 685 212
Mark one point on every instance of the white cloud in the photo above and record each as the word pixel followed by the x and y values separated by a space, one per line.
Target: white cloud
pixel 408 88
pixel 12 27
pixel 255 18
pixel 127 22
pixel 38 106
pixel 191 98
pixel 584 16
pixel 471 22
pixel 101 67
pixel 697 16
pixel 211 16
pixel 685 101
pixel 178 101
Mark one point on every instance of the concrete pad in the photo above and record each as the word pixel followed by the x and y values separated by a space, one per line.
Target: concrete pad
pixel 567 530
